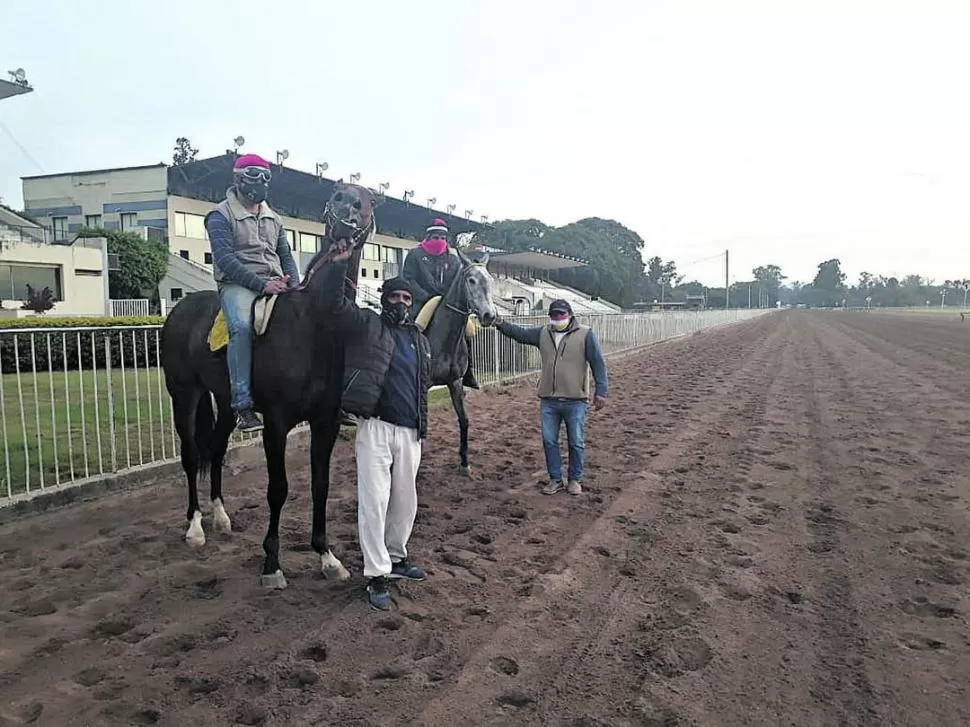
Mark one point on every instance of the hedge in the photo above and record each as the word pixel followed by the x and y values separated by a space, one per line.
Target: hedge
pixel 131 343
pixel 80 322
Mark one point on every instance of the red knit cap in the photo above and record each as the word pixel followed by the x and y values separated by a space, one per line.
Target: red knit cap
pixel 250 160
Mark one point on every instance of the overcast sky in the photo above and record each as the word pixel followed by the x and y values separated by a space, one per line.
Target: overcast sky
pixel 788 132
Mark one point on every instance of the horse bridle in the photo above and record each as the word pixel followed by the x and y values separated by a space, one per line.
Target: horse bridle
pixel 329 220
pixel 463 268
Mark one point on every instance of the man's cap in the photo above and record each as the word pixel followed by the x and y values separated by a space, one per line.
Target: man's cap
pixel 395 285
pixel 560 306
pixel 438 225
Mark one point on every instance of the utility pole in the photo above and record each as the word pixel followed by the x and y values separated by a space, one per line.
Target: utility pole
pixel 727 282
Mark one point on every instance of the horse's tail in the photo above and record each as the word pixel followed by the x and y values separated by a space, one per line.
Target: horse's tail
pixel 205 421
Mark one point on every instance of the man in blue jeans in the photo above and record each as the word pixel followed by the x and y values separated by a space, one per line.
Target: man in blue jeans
pixel 250 256
pixel 566 349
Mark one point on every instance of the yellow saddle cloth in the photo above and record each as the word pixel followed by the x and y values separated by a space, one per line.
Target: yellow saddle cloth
pixel 262 312
pixel 424 316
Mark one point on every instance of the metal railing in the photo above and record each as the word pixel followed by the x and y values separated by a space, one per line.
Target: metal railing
pixel 80 403
pixel 129 307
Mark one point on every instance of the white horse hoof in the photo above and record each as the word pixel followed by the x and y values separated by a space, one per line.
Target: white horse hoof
pixel 465 470
pixel 220 519
pixel 195 535
pixel 333 569
pixel 275 581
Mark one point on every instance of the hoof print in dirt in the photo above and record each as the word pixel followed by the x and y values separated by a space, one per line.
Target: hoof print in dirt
pixel 427 646
pixel 198 685
pixel 675 657
pixel 511 701
pixel 251 714
pixel 90 677
pixel 315 652
pixel 389 673
pixel 504 665
pixel 300 677
pixel 111 628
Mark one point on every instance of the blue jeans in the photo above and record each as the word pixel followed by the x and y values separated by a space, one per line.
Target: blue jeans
pixel 552 413
pixel 237 307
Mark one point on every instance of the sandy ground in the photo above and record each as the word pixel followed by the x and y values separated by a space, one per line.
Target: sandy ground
pixel 775 532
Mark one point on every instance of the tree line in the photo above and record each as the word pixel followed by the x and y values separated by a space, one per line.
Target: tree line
pixel 618 273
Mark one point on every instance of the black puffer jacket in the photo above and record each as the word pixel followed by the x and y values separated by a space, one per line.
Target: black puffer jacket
pixel 369 348
pixel 429 275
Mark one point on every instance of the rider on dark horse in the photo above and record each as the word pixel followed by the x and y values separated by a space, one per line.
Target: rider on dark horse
pixel 430 269
pixel 250 257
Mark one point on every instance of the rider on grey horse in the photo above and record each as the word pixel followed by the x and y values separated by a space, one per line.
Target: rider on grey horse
pixel 430 269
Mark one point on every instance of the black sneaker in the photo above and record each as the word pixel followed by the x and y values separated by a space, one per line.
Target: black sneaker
pixel 248 421
pixel 406 569
pixel 377 594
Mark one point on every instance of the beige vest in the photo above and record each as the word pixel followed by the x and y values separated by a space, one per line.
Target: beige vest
pixel 254 237
pixel 564 368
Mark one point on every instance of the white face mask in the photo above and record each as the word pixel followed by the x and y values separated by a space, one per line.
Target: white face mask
pixel 559 325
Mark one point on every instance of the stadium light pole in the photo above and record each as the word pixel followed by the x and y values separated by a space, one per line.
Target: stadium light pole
pixel 16 86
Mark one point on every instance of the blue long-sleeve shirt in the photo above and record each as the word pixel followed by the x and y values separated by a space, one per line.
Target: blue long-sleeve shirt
pixel 223 255
pixel 594 353
pixel 400 398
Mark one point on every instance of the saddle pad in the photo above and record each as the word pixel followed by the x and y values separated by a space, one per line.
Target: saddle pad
pixel 219 333
pixel 424 316
pixel 262 312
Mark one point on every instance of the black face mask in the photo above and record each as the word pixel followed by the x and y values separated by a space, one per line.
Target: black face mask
pixel 397 313
pixel 253 192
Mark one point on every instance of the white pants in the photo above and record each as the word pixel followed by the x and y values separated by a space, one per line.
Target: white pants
pixel 388 457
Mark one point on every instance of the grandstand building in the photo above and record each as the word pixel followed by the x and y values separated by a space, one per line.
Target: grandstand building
pixel 169 203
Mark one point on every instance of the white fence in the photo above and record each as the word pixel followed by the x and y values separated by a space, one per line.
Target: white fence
pixel 79 403
pixel 129 307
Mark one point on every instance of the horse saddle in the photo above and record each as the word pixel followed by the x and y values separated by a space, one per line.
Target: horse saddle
pixel 262 312
pixel 423 319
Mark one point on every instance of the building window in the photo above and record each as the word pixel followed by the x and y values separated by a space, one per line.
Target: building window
pixel 129 221
pixel 92 220
pixel 309 243
pixel 15 278
pixel 291 238
pixel 363 272
pixel 372 251
pixel 184 254
pixel 390 254
pixel 377 274
pixel 59 225
pixel 189 225
pixel 175 294
pixel 207 257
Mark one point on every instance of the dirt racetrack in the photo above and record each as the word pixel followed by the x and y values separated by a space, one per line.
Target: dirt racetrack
pixel 775 532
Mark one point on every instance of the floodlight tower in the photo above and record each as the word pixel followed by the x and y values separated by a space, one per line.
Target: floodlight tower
pixel 16 86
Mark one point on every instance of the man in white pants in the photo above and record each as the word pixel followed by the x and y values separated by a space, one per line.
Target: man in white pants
pixel 387 377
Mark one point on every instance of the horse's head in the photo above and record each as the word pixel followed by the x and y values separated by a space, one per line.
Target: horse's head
pixel 476 284
pixel 349 214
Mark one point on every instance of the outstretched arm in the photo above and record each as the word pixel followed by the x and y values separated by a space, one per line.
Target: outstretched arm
pixel 224 255
pixel 331 298
pixel 528 336
pixel 286 259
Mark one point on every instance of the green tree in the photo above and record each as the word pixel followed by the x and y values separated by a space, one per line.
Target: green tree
pixel 614 252
pixel 184 152
pixel 143 263
pixel 769 278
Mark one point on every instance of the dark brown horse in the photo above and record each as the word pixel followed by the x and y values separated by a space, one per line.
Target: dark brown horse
pixel 297 377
